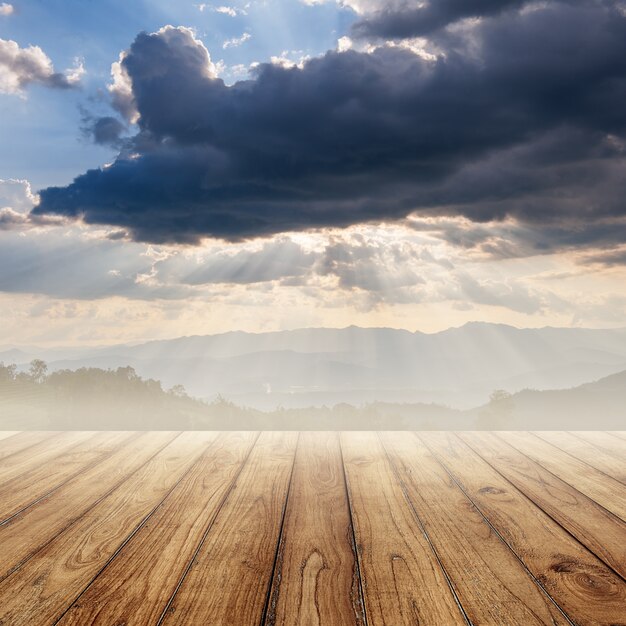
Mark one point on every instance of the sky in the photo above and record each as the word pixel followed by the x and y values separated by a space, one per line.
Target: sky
pixel 178 168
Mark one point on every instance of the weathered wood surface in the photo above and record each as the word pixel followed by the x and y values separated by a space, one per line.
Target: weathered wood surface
pixel 587 590
pixel 287 529
pixel 316 579
pixel 403 582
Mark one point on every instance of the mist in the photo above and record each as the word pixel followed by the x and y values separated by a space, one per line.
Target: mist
pixel 480 376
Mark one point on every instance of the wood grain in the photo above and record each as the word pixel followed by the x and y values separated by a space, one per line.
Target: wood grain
pixel 241 545
pixel 620 434
pixel 608 445
pixel 135 588
pixel 403 582
pixel 491 583
pixel 357 529
pixel 316 577
pixel 23 440
pixel 28 487
pixel 596 456
pixel 5 434
pixel 29 531
pixel 41 454
pixel 595 527
pixel 41 590
pixel 584 587
pixel 605 490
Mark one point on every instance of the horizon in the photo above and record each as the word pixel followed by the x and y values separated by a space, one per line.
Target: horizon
pixel 7 347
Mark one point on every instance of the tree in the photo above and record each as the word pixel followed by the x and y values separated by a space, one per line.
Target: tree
pixel 179 391
pixel 499 397
pixel 7 372
pixel 38 371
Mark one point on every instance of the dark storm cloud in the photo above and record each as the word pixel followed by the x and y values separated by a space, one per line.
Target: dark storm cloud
pixel 523 116
pixel 412 20
pixel 106 130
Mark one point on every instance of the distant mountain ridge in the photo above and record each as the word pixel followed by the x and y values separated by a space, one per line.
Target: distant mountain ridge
pixel 459 367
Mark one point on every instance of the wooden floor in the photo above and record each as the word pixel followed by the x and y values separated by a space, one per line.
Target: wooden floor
pixel 359 528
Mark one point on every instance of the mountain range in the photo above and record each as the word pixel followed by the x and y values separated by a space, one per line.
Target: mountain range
pixel 458 367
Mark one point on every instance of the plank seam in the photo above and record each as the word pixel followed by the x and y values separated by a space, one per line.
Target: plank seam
pixel 67 480
pixel 584 495
pixel 495 530
pixel 279 545
pixel 556 521
pixel 614 434
pixel 91 506
pixel 424 531
pixel 573 456
pixel 355 552
pixel 141 524
pixel 52 435
pixel 227 493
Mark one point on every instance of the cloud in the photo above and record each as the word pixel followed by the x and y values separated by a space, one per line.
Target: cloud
pixel 20 67
pixel 6 9
pixel 224 10
pixel 104 130
pixel 491 129
pixel 16 201
pixel 236 41
pixel 17 194
pixel 608 258
pixel 11 220
pixel 275 260
pixel 418 19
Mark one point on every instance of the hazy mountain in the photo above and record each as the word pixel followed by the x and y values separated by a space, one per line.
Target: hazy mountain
pixel 600 405
pixel 95 399
pixel 459 367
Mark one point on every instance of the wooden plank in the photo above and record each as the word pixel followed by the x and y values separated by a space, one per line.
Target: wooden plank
pixel 620 434
pixel 26 533
pixel 491 583
pixel 43 453
pixel 230 576
pixel 316 576
pixel 585 451
pixel 587 590
pixel 595 527
pixel 23 440
pixel 136 586
pixel 45 586
pixel 402 580
pixel 596 485
pixel 5 434
pixel 607 443
pixel 25 489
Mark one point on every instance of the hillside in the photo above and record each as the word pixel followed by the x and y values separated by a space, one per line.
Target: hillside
pixel 595 405
pixel 96 399
pixel 458 367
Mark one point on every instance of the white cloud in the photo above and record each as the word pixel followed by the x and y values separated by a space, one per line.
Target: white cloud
pixel 360 6
pixel 16 200
pixel 236 41
pixel 76 72
pixel 344 43
pixel 121 90
pixel 20 67
pixel 6 9
pixel 224 9
pixel 289 59
pixel 17 194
